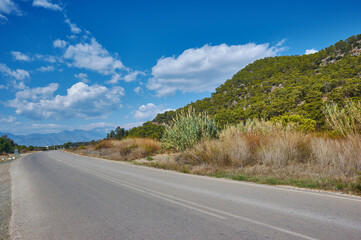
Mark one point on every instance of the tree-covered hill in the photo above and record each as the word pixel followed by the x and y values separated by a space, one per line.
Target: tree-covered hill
pixel 286 85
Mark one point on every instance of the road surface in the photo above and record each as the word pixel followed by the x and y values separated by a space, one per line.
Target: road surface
pixel 57 195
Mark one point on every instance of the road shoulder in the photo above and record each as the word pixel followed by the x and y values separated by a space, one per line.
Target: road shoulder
pixel 5 200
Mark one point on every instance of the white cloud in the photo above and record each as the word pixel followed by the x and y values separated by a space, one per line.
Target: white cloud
pixel 48 126
pixel 203 69
pixel 311 51
pixel 47 4
pixel 133 75
pixel 3 19
pixel 37 93
pixel 83 77
pixel 103 125
pixel 18 74
pixel 73 28
pixel 60 43
pixel 46 69
pixel 20 56
pixel 8 7
pixel 8 120
pixel 131 125
pixel 149 111
pixel 81 101
pixel 94 57
pixel 47 58
pixel 137 90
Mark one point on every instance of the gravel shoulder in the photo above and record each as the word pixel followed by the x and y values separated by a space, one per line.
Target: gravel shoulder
pixel 5 200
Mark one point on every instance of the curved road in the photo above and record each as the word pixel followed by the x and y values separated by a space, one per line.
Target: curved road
pixel 56 195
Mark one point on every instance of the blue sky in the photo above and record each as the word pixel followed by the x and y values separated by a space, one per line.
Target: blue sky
pixel 75 64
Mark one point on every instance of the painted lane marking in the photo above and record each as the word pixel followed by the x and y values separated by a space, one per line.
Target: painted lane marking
pixel 281 187
pixel 159 195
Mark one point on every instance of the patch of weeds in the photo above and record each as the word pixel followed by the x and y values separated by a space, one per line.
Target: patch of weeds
pixel 357 185
pixel 127 150
pixel 149 158
pixel 240 178
pixel 271 181
pixel 340 186
pixel 184 169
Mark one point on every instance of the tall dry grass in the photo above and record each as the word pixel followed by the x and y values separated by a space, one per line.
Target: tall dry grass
pixel 124 150
pixel 344 120
pixel 265 149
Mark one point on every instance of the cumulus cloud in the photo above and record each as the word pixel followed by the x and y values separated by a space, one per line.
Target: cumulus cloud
pixel 137 90
pixel 47 4
pixel 46 69
pixel 18 74
pixel 149 111
pixel 8 7
pixel 311 51
pixel 59 43
pixel 130 76
pixel 37 93
pixel 93 57
pixel 133 76
pixel 203 69
pixel 83 77
pixel 73 28
pixel 81 101
pixel 8 120
pixel 19 56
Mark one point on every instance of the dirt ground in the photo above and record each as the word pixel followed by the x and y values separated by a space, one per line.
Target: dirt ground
pixel 5 201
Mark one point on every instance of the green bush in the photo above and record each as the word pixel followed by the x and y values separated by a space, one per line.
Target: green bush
pixel 300 123
pixel 186 129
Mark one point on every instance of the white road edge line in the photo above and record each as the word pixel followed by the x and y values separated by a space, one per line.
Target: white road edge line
pixel 213 209
pixel 280 187
pixel 157 194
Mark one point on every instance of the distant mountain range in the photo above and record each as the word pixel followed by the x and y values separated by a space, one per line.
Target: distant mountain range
pixel 56 138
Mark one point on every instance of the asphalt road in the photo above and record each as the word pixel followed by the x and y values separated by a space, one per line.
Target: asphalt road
pixel 57 195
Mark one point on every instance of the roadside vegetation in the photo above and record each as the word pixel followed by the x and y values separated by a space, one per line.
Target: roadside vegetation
pixel 121 150
pixel 282 151
pixel 8 147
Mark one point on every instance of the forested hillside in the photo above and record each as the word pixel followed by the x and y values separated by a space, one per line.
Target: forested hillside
pixel 286 85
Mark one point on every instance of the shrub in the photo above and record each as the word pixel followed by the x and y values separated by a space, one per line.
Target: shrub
pixel 126 149
pixel 300 123
pixel 103 144
pixel 186 129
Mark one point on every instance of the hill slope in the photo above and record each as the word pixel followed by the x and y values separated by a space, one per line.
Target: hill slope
pixel 286 85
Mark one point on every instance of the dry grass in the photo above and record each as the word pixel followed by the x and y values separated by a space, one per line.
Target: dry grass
pixel 277 153
pixel 123 150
